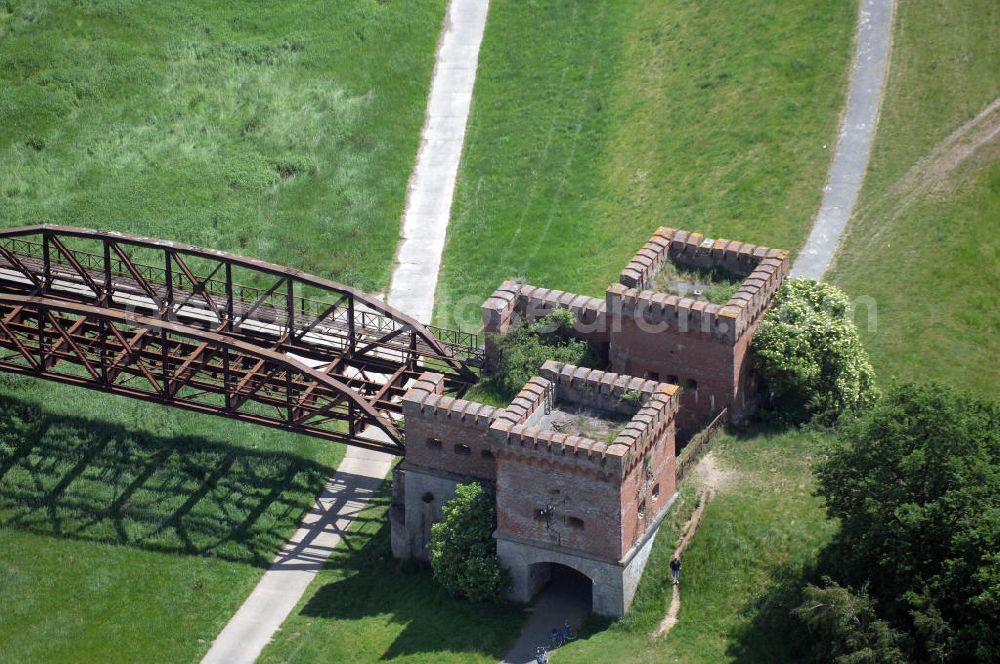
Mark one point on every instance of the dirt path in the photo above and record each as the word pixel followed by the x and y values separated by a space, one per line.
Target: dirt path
pixel 712 479
pixel 974 144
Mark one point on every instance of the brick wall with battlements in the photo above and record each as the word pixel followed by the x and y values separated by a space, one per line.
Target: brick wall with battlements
pixel 585 497
pixel 579 493
pixel 592 496
pixel 698 345
pixel 447 434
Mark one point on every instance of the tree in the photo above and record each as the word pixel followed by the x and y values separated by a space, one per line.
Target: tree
pixel 846 628
pixel 808 351
pixel 463 552
pixel 915 483
pixel 526 348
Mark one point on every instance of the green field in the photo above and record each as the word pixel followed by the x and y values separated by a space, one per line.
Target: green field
pixel 760 530
pixel 136 542
pixel 366 607
pixel 286 132
pixel 923 244
pixel 131 532
pixel 595 122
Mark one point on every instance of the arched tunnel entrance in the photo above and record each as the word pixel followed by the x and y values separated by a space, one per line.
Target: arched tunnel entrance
pixel 561 594
pixel 573 587
pixel 562 590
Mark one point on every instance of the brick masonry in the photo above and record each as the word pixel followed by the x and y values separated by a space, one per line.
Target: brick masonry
pixel 593 505
pixel 588 499
pixel 700 346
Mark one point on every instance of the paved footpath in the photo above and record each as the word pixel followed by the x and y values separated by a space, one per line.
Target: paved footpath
pixel 432 185
pixel 281 587
pixel 414 279
pixel 850 162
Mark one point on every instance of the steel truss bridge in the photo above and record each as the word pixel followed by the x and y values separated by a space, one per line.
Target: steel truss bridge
pixel 215 333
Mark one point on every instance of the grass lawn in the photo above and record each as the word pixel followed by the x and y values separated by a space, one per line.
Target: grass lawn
pixel 131 532
pixel 595 122
pixel 286 132
pixel 550 159
pixel 367 607
pixel 923 244
pixel 757 533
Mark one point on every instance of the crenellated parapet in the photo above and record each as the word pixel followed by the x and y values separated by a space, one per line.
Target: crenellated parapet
pixel 693 250
pixel 762 270
pixel 650 405
pixel 512 303
pixel 445 433
pixel 426 399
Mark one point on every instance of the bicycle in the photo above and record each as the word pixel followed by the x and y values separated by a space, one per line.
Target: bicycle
pixel 562 636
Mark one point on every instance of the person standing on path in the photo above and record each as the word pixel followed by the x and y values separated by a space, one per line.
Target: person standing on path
pixel 675 570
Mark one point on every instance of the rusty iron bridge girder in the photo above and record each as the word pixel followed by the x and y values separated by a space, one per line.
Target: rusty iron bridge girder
pixel 215 332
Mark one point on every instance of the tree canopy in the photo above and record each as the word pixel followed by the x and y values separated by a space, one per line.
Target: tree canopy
pixel 808 351
pixel 527 347
pixel 846 628
pixel 915 482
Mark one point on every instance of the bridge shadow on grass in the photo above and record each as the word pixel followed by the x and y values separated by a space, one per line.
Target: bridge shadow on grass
pixel 79 478
pixel 424 618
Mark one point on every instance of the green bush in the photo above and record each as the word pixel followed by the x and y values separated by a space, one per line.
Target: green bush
pixel 463 551
pixel 808 351
pixel 525 349
pixel 915 483
pixel 846 628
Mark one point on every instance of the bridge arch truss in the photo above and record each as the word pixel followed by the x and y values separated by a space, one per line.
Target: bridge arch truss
pixel 215 332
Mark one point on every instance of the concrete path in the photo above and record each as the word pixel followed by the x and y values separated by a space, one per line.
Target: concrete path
pixel 414 280
pixel 432 185
pixel 281 587
pixel 850 162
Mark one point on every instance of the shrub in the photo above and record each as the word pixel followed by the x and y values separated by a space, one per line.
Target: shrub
pixel 916 485
pixel 526 348
pixel 808 351
pixel 463 552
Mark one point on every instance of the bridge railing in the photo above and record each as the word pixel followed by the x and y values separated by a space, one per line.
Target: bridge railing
pixel 270 306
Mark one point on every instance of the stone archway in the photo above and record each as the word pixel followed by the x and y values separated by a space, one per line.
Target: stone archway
pixel 531 567
pixel 571 585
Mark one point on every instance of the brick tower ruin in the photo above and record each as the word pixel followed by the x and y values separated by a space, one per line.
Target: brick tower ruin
pixel 641 331
pixel 582 461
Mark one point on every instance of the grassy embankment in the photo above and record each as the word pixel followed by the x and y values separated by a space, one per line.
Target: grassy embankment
pixel 923 244
pixel 130 532
pixel 592 124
